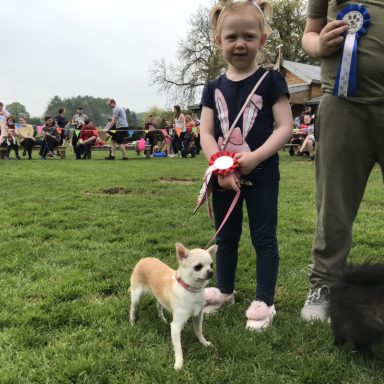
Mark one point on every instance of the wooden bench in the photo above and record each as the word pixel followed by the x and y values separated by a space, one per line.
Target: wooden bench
pixel 129 147
pixel 60 149
pixel 291 147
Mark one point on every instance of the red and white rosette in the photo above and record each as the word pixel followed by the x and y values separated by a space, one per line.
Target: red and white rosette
pixel 221 163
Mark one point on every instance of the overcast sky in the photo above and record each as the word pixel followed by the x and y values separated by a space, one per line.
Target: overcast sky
pixel 88 47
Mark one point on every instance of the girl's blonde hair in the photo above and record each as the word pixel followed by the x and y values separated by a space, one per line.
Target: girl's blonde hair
pixel 223 6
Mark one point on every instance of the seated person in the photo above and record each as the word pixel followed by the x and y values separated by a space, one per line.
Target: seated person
pixel 8 137
pixel 308 144
pixel 87 138
pixel 50 138
pixel 78 120
pixel 26 137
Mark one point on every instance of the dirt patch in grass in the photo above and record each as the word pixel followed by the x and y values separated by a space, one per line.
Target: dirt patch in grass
pixel 177 180
pixel 116 191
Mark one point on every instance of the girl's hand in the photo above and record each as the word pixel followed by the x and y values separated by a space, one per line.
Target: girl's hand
pixel 331 39
pixel 230 181
pixel 247 162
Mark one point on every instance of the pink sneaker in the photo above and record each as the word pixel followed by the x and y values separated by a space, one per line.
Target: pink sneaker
pixel 214 300
pixel 259 315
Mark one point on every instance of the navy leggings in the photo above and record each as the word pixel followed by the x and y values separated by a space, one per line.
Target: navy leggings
pixel 261 202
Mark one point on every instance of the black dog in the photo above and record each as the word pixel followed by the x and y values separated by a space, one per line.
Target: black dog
pixel 357 307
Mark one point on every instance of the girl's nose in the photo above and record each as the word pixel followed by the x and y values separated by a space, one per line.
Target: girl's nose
pixel 240 42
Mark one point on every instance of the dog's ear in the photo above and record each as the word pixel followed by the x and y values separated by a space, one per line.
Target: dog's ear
pixel 212 250
pixel 181 252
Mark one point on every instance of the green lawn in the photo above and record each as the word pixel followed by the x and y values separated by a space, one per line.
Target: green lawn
pixel 71 232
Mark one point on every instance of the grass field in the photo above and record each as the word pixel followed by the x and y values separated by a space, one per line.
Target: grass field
pixel 71 232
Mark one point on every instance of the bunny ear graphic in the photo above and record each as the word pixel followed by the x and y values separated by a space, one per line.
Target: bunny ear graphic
pixel 222 112
pixel 250 113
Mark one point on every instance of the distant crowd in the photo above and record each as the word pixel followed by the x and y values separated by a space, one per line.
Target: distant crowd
pixel 171 138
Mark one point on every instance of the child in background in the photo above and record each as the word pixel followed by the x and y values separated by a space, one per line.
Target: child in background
pixel 187 149
pixel 197 133
pixel 240 31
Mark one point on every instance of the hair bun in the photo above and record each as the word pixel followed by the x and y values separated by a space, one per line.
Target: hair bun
pixel 265 6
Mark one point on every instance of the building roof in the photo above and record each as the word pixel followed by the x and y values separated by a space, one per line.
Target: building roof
pixel 314 101
pixel 297 88
pixel 309 73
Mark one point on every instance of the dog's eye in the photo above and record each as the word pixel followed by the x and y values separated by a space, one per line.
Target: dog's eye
pixel 198 267
pixel 211 265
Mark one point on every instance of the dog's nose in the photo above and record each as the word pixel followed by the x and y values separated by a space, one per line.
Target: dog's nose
pixel 209 274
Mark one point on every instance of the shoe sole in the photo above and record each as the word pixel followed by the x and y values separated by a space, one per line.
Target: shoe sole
pixel 212 308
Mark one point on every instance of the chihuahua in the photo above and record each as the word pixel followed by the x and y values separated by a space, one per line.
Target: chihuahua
pixel 181 292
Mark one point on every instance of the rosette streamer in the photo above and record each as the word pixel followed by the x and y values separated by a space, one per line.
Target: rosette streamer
pixel 221 163
pixel 358 20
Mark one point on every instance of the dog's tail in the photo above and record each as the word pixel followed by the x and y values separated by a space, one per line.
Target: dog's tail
pixel 365 274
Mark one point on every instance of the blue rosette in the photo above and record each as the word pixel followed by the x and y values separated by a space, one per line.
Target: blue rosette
pixel 358 20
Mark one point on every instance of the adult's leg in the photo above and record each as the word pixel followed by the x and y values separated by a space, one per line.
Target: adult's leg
pixel 175 143
pixel 345 155
pixel 87 149
pixel 16 149
pixel 79 149
pixel 28 144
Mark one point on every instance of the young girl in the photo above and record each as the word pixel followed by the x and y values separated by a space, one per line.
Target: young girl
pixel 265 126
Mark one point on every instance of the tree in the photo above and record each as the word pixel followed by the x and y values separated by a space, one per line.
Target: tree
pixel 95 108
pixel 287 23
pixel 199 60
pixel 132 118
pixel 17 109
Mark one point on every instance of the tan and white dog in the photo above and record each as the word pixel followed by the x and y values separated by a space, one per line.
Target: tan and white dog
pixel 181 292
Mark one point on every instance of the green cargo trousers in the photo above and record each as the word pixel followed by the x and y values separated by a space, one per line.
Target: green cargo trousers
pixel 349 141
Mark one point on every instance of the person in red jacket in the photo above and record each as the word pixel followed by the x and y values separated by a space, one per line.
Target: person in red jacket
pixel 87 138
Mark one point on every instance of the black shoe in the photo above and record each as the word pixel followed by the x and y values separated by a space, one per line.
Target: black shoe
pixel 124 158
pixel 84 158
pixel 109 158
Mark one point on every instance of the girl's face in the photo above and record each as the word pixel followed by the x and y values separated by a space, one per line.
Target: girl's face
pixel 241 38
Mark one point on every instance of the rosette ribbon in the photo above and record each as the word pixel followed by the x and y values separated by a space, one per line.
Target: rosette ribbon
pixel 358 20
pixel 221 163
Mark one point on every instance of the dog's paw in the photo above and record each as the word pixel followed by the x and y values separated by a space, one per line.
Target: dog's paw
pixel 206 343
pixel 178 365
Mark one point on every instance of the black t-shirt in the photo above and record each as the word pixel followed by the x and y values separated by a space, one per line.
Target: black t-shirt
pixel 61 121
pixel 226 98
